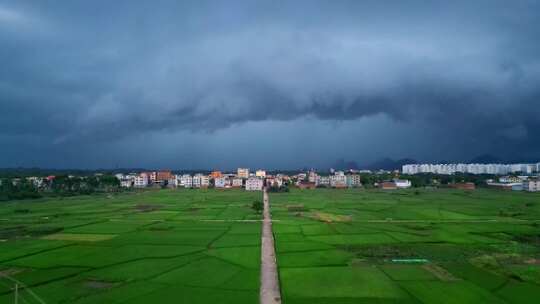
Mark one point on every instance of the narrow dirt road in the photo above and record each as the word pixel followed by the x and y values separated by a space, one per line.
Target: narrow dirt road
pixel 269 293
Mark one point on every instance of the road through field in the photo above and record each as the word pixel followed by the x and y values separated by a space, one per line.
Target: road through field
pixel 269 293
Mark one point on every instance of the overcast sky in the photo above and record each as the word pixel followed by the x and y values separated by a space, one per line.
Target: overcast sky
pixel 276 84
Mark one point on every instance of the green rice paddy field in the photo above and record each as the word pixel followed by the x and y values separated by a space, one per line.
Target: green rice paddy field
pixel 407 246
pixel 333 246
pixel 168 246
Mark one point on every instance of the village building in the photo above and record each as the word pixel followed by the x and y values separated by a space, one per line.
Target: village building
pixel 237 182
pixel 532 185
pixel 307 185
pixel 463 186
pixel 141 180
pixel 221 182
pixel 242 173
pixel 402 183
pixel 254 184
pixel 323 181
pixel 353 180
pixel 338 180
pixel 186 181
pixel 388 186
pixel 260 173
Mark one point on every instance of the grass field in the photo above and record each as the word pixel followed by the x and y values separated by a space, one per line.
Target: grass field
pixel 333 246
pixel 428 246
pixel 168 246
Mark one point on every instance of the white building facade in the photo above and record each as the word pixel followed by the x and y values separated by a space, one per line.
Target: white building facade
pixel 254 184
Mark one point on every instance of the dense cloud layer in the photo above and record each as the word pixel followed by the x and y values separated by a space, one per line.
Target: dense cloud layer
pixel 99 72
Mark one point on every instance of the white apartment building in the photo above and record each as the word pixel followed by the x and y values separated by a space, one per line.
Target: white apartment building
pixel 254 184
pixel 274 181
pixel 200 181
pixel 260 173
pixel 141 180
pixel 323 180
pixel 173 182
pixel 186 181
pixel 196 181
pixel 312 176
pixel 499 169
pixel 126 183
pixel 338 179
pixel 242 172
pixel 221 182
pixel 531 185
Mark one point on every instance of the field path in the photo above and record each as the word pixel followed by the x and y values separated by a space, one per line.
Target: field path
pixel 269 293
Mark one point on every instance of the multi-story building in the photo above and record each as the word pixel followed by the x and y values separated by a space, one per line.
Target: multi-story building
pixel 254 184
pixel 205 181
pixel 126 183
pixel 499 169
pixel 141 180
pixel 186 181
pixel 312 176
pixel 274 182
pixel 163 176
pixel 260 173
pixel 242 172
pixel 216 174
pixel 152 177
pixel 172 182
pixel 237 182
pixel 532 185
pixel 353 180
pixel 200 181
pixel 338 180
pixel 323 180
pixel 221 182
pixel 196 180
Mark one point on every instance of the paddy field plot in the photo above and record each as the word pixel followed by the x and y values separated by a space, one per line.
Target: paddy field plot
pixel 407 246
pixel 167 246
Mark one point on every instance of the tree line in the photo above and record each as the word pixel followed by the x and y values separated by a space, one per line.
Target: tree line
pixel 61 185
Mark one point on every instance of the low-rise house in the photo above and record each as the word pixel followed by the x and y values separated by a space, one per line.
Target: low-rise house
pixel 402 183
pixel 307 185
pixel 463 186
pixel 254 184
pixel 388 186
pixel 510 179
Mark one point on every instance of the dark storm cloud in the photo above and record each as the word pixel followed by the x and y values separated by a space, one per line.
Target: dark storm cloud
pixel 101 71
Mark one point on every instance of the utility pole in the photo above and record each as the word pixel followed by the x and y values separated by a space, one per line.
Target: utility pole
pixel 16 293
